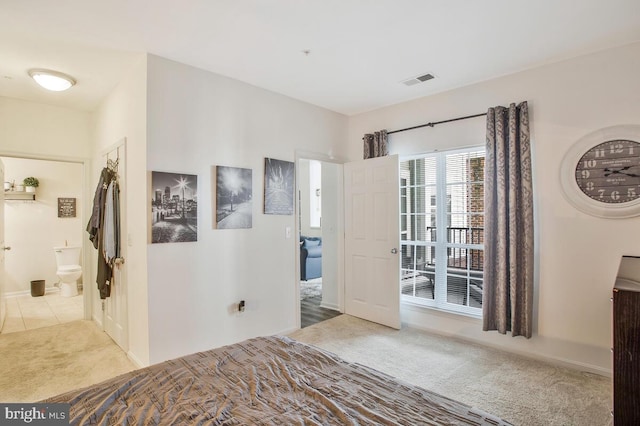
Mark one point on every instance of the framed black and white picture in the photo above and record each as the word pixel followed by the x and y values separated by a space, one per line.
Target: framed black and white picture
pixel 278 186
pixel 174 207
pixel 234 198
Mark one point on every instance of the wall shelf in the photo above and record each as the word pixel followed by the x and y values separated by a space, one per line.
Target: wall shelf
pixel 19 195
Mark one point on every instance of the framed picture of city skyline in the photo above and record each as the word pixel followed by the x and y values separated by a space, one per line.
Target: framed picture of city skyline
pixel 234 197
pixel 174 207
pixel 278 186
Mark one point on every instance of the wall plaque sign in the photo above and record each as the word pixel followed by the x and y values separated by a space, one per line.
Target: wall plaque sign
pixel 66 207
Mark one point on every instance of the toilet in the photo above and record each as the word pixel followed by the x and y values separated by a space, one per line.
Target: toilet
pixel 69 270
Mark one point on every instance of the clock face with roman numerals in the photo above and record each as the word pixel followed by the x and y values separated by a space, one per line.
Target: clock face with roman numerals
pixel 610 172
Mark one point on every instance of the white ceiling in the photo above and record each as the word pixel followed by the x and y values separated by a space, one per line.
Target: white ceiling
pixel 360 49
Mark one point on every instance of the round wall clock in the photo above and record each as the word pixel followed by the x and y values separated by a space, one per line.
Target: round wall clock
pixel 600 174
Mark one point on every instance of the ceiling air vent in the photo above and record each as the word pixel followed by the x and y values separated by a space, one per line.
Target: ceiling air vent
pixel 417 80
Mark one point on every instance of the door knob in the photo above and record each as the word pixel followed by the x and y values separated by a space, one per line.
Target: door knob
pixel 394 250
pixel 6 248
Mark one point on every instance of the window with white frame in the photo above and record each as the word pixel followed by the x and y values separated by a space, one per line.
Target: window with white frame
pixel 315 194
pixel 442 229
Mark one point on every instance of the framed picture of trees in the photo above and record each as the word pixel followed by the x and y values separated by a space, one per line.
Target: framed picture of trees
pixel 234 198
pixel 278 186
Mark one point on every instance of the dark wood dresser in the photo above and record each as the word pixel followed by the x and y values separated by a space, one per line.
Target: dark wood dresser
pixel 626 343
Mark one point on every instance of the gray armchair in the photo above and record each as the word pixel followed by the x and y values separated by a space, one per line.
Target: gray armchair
pixel 310 258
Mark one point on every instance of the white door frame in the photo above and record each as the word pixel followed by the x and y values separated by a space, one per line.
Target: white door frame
pixel 85 209
pixel 308 155
pixel 3 302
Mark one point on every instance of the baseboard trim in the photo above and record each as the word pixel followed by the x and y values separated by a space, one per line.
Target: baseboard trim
pixel 47 290
pixel 331 306
pixel 286 331
pixel 539 356
pixel 98 322
pixel 134 359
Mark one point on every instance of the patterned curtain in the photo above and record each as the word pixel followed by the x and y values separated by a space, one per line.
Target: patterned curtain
pixel 508 231
pixel 375 145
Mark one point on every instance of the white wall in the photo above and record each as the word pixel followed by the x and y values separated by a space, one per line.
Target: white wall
pixel 33 228
pixel 332 225
pixel 305 202
pixel 43 130
pixel 33 130
pixel 315 190
pixel 123 115
pixel 577 255
pixel 196 120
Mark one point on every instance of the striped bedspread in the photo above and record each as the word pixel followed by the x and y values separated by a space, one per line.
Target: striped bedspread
pixel 266 380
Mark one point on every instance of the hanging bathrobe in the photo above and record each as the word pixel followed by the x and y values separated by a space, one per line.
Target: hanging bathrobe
pixel 111 223
pixel 95 220
pixel 111 234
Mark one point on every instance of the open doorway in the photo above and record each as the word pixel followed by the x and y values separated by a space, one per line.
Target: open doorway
pixel 43 227
pixel 319 224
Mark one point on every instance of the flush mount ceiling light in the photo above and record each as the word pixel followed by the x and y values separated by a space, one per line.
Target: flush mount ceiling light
pixel 52 80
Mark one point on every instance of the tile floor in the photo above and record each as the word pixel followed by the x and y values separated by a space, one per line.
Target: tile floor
pixel 27 312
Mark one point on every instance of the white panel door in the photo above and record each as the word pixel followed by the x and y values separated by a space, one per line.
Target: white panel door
pixel 372 238
pixel 3 302
pixel 115 306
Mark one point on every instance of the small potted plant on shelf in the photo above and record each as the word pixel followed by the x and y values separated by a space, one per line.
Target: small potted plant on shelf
pixel 30 184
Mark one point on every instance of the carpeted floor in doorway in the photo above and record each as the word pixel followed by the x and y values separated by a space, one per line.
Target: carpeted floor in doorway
pixel 44 362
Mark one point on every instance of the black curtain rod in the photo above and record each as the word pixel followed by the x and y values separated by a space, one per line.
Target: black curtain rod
pixel 437 122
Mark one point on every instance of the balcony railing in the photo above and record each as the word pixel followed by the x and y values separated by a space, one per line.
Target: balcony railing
pixel 464 267
pixel 459 257
pixel 459 235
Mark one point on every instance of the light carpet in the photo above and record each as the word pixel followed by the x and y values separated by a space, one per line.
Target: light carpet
pixel 44 362
pixel 518 389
